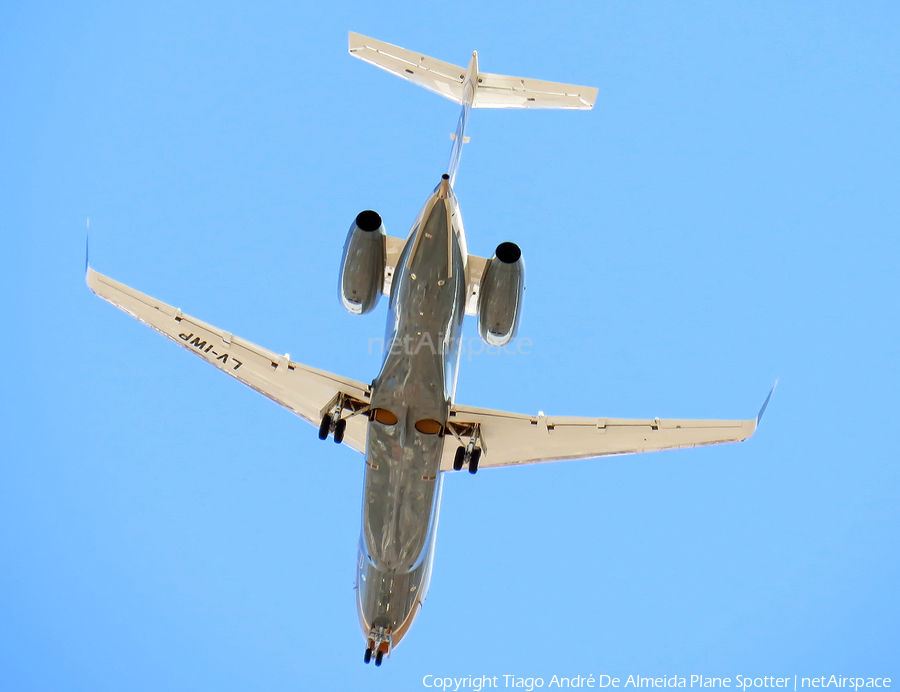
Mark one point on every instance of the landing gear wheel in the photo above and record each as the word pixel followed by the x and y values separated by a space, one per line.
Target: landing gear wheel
pixel 325 426
pixel 473 462
pixel 459 458
pixel 378 658
pixel 368 656
pixel 339 428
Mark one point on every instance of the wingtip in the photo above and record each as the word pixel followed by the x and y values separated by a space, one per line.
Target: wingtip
pixel 766 403
pixel 89 273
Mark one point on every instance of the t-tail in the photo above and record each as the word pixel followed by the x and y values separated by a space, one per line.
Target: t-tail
pixel 469 87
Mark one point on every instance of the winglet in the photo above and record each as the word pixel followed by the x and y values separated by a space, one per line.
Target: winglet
pixel 90 276
pixel 766 403
pixel 87 237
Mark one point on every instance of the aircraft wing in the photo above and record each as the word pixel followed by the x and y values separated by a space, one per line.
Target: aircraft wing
pixel 304 390
pixel 510 439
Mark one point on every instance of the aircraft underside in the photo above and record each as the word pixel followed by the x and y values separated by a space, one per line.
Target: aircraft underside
pixel 406 422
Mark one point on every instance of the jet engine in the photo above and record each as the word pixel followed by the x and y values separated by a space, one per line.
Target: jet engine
pixel 362 267
pixel 500 296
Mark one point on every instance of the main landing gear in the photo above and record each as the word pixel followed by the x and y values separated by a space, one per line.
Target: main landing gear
pixel 470 454
pixel 330 425
pixel 377 645
pixel 471 445
pixel 333 421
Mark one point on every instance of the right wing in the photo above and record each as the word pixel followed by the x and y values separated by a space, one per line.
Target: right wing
pixel 510 439
pixel 306 391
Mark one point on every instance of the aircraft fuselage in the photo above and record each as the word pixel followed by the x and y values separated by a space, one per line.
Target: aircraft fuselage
pixel 411 400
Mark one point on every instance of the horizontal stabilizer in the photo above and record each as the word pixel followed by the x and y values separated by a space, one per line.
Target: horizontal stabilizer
pixel 502 91
pixel 492 90
pixel 435 75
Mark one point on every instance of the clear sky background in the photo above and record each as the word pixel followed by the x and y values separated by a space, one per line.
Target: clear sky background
pixel 727 214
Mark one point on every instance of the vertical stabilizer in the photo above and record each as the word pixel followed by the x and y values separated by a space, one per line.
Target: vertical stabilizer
pixel 469 89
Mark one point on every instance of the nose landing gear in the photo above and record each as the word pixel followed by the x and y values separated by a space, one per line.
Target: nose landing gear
pixel 377 645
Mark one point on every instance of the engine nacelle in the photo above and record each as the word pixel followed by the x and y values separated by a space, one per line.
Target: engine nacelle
pixel 500 296
pixel 362 267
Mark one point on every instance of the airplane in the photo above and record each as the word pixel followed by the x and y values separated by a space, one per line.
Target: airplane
pixel 406 422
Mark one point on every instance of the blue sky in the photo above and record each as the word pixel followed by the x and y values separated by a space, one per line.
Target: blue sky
pixel 726 215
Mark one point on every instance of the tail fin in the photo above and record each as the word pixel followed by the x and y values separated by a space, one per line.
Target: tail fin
pixel 491 90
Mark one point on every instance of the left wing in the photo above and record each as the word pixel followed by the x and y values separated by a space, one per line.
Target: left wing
pixel 308 392
pixel 510 439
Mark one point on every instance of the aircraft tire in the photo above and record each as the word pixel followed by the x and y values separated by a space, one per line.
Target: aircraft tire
pixel 368 656
pixel 473 462
pixel 325 426
pixel 339 429
pixel 378 658
pixel 459 458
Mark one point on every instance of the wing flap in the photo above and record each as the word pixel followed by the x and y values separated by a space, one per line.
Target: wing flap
pixel 304 390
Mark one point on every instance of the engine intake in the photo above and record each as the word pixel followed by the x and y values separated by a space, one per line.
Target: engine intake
pixel 362 266
pixel 500 297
